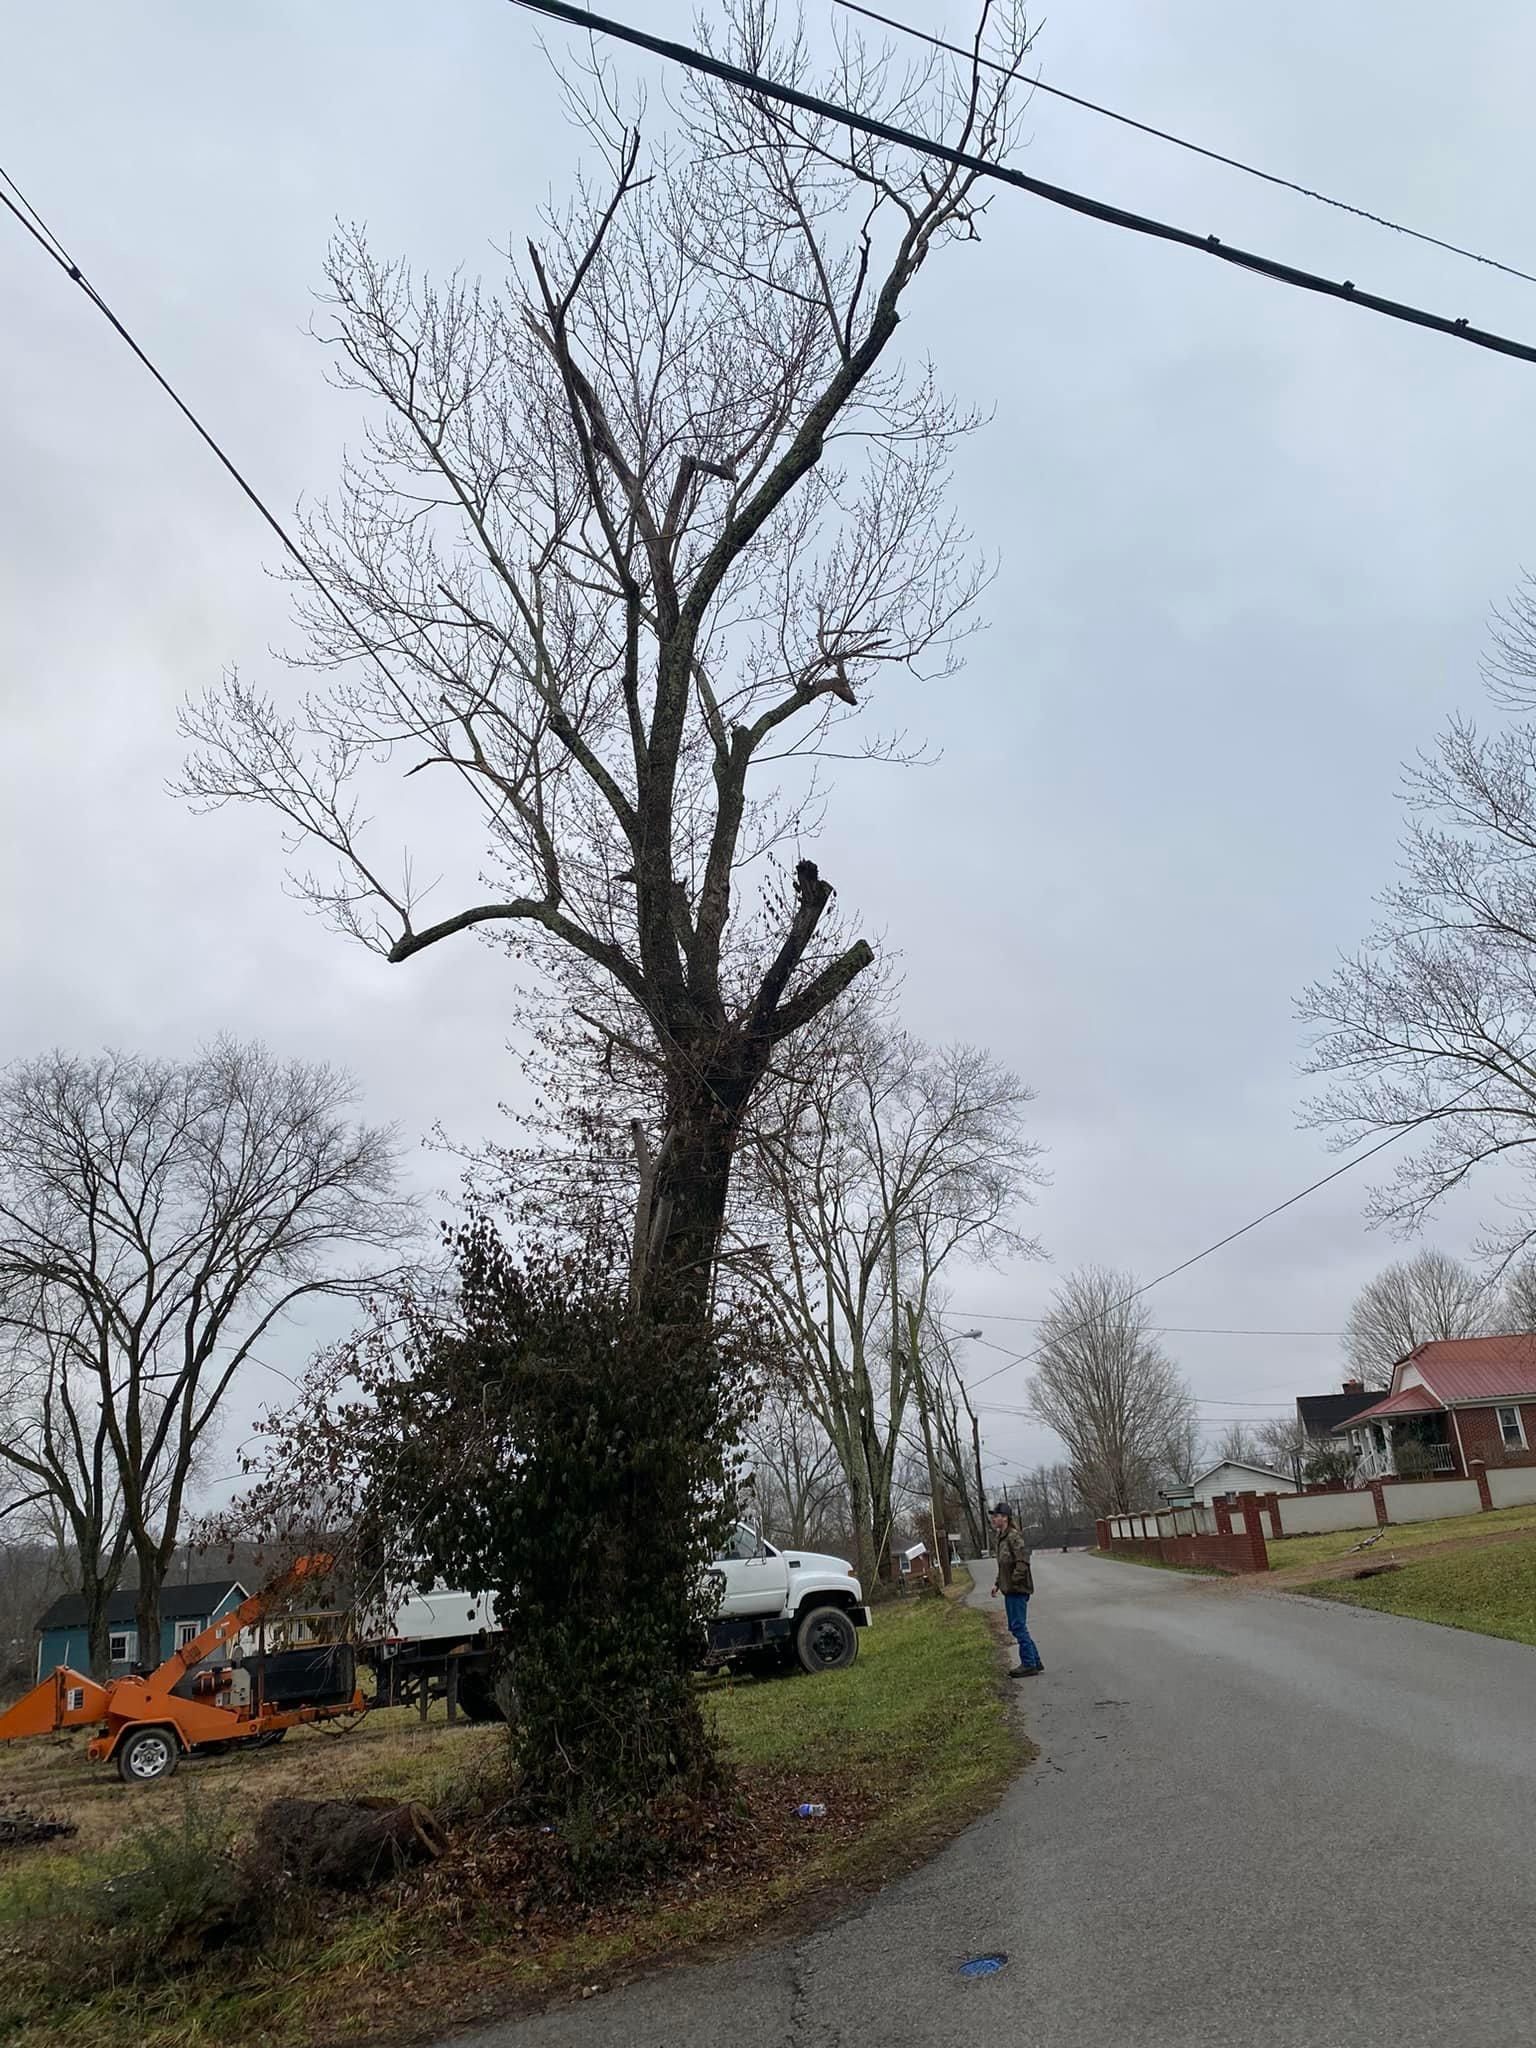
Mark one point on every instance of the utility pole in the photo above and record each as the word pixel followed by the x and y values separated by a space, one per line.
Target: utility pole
pixel 981 1491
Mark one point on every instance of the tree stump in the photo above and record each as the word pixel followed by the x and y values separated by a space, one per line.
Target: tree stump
pixel 347 1844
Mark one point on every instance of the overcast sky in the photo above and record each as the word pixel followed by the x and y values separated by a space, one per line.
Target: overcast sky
pixel 1248 542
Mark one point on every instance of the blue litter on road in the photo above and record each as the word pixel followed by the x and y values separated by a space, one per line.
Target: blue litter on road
pixel 983 1966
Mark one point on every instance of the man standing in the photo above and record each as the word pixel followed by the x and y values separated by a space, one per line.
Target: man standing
pixel 1015 1581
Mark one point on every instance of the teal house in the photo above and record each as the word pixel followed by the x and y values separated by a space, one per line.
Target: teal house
pixel 185 1611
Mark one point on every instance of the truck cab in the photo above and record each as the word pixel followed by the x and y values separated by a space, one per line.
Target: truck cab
pixel 791 1605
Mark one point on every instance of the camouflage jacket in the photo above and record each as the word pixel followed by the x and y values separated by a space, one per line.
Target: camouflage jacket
pixel 1013 1569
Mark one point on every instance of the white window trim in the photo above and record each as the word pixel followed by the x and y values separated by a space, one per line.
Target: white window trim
pixel 188 1631
pixel 129 1638
pixel 1500 1410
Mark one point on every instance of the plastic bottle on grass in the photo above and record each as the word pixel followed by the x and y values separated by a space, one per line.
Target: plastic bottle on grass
pixel 811 1811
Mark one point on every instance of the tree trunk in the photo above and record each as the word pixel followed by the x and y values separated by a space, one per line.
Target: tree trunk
pixel 865 1558
pixel 97 1633
pixel 689 1183
pixel 147 1606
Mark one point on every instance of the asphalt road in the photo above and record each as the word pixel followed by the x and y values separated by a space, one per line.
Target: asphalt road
pixel 1253 1821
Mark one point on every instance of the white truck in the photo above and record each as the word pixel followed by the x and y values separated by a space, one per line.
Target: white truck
pixel 784 1606
pixel 796 1604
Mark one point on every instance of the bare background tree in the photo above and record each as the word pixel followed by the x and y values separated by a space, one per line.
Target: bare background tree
pixel 956 1434
pixel 1184 1449
pixel 1238 1444
pixel 886 1160
pixel 1280 1442
pixel 1432 1025
pixel 1109 1391
pixel 157 1220
pixel 1517 1297
pixel 1048 1505
pixel 1409 1302
pixel 625 533
pixel 799 1487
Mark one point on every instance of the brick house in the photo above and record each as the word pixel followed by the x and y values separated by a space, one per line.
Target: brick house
pixel 1449 1402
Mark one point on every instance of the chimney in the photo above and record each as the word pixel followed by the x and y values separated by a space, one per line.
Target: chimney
pixel 1354 1386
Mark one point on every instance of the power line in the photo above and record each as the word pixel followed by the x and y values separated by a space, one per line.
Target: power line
pixel 1161 1329
pixel 1058 195
pixel 1392 1138
pixel 1215 156
pixel 22 209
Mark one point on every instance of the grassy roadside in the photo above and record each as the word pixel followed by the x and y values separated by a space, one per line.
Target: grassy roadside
pixel 903 1749
pixel 1490 1590
pixel 1288 1551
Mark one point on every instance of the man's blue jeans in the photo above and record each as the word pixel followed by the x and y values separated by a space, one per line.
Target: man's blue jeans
pixel 1017 1607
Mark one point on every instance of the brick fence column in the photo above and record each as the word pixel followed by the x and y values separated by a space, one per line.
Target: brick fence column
pixel 1223 1518
pixel 1380 1499
pixel 1103 1533
pixel 1254 1530
pixel 1272 1508
pixel 1477 1469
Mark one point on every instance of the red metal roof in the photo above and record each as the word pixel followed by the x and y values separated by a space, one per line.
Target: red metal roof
pixel 1411 1401
pixel 1477 1368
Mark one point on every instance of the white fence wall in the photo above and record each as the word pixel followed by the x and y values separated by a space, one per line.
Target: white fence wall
pixel 1512 1486
pixel 1425 1500
pixel 1312 1514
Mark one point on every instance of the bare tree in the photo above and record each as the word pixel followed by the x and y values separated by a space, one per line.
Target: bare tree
pixel 1408 1303
pixel 1431 1026
pixel 955 1432
pixel 1183 1451
pixel 157 1220
pixel 887 1160
pixel 798 1483
pixel 1108 1390
pixel 1047 1503
pixel 1281 1443
pixel 626 533
pixel 1516 1307
pixel 1238 1444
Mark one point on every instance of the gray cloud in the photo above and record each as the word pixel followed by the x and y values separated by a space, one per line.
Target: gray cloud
pixel 1247 544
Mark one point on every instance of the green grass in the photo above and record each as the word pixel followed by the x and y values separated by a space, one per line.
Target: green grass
pixel 918 1724
pixel 921 1705
pixel 1288 1550
pixel 1491 1591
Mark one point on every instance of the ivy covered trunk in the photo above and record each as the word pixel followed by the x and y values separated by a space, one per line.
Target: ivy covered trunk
pixel 572 1453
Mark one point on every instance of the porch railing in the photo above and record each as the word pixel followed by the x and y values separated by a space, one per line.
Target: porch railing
pixel 1426 1458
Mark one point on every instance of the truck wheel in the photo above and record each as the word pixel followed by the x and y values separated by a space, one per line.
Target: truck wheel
pixel 146 1755
pixel 826 1640
pixel 478 1697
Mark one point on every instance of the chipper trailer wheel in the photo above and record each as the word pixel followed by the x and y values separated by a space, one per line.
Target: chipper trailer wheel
pixel 147 1754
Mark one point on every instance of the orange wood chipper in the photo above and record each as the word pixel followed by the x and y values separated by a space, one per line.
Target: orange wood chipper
pixel 196 1703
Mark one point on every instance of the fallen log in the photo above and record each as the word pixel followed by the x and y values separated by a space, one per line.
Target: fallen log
pixel 20 1827
pixel 346 1844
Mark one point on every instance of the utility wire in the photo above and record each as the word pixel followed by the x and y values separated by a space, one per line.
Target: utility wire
pixel 23 210
pixel 963 1315
pixel 1215 156
pixel 1058 195
pixel 1392 1138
